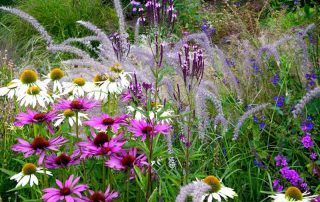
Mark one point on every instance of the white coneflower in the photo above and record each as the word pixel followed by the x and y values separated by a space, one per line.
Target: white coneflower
pixel 27 175
pixel 218 190
pixel 70 116
pixel 162 114
pixel 100 90
pixel 118 79
pixel 55 76
pixel 10 90
pixel 33 96
pixel 293 194
pixel 27 79
pixel 78 87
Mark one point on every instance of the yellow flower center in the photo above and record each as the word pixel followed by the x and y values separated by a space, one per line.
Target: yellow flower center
pixel 79 81
pixel 68 113
pixel 294 193
pixel 116 68
pixel 56 74
pixel 99 78
pixel 33 90
pixel 213 182
pixel 29 168
pixel 28 76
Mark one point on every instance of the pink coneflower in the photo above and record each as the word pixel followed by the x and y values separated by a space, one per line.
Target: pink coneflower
pixel 79 104
pixel 30 116
pixel 67 191
pixel 127 160
pixel 62 161
pixel 105 121
pixel 99 196
pixel 38 146
pixel 144 129
pixel 101 144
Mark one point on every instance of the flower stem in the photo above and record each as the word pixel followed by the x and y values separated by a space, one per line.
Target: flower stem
pixel 77 134
pixel 128 183
pixel 103 175
pixel 35 129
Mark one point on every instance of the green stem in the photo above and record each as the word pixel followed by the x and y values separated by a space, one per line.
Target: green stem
pixel 103 175
pixel 45 175
pixel 77 134
pixel 128 183
pixel 35 129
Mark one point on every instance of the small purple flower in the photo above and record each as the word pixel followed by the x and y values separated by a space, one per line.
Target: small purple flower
pixel 67 191
pixel 306 126
pixel 293 177
pixel 262 125
pixel 307 141
pixel 281 160
pixel 275 79
pixel 279 100
pixel 277 186
pixel 255 119
pixel 313 156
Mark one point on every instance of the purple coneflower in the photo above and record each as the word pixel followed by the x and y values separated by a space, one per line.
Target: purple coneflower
pixel 62 161
pixel 30 116
pixel 101 144
pixel 79 104
pixel 105 121
pixel 99 196
pixel 142 128
pixel 38 146
pixel 127 160
pixel 67 191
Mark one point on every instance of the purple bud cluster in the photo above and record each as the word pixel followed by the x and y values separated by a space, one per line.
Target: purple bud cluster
pixel 155 12
pixel 134 92
pixel 120 44
pixel 192 65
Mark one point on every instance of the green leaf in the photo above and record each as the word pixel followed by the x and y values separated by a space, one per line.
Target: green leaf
pixel 153 197
pixel 8 172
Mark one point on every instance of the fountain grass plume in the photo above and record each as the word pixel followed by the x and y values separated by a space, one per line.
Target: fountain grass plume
pixel 242 118
pixel 194 189
pixel 32 21
pixel 304 100
pixel 229 74
pixel 118 8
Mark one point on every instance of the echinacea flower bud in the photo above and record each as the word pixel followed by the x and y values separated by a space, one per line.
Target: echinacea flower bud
pixel 79 81
pixel 29 168
pixel 293 193
pixel 116 68
pixel 56 74
pixel 28 76
pixel 213 182
pixel 33 90
pixel 68 113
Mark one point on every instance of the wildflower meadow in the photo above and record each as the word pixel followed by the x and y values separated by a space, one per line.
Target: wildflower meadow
pixel 160 101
